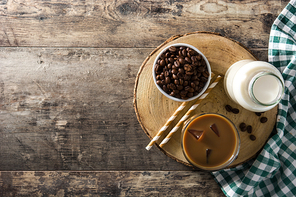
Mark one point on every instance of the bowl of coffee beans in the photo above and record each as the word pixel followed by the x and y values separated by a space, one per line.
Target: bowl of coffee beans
pixel 181 72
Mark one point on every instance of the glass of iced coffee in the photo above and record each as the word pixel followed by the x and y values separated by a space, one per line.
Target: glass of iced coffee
pixel 210 141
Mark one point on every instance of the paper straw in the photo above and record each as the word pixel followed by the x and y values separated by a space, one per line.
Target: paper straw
pixel 193 107
pixel 167 124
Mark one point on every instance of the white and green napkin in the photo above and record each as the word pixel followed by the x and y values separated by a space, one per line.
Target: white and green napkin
pixel 273 172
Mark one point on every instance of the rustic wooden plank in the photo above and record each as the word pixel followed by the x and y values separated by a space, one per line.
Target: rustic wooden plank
pixel 154 110
pixel 72 109
pixel 132 23
pixel 66 103
pixel 108 183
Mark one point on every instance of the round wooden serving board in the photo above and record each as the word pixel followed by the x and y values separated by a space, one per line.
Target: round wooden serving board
pixel 153 109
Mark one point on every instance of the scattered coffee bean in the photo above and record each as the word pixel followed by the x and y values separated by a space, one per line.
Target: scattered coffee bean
pixel 253 137
pixel 249 129
pixel 263 120
pixel 235 110
pixel 258 113
pixel 183 69
pixel 243 126
pixel 228 108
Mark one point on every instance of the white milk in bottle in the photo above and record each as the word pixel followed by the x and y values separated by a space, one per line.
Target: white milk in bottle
pixel 255 85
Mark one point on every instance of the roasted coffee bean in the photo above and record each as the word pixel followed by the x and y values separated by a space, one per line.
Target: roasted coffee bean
pixel 182 60
pixel 181 81
pixel 253 137
pixel 177 64
pixel 200 69
pixel 187 59
pixel 171 60
pixel 172 49
pixel 173 86
pixel 165 88
pixel 194 59
pixel 258 113
pixel 176 91
pixel 187 77
pixel 157 68
pixel 243 126
pixel 187 88
pixel 249 129
pixel 174 71
pixel 191 90
pixel 180 75
pixel 188 67
pixel 175 76
pixel 189 73
pixel 181 69
pixel 183 93
pixel 203 79
pixel 179 87
pixel 159 82
pixel 228 108
pixel 196 83
pixel 190 94
pixel 184 52
pixel 263 120
pixel 167 80
pixel 194 78
pixel 201 84
pixel 180 53
pixel 235 110
pixel 205 74
pixel 166 73
pixel 162 63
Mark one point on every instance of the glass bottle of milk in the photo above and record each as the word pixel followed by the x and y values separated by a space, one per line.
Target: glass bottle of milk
pixel 255 85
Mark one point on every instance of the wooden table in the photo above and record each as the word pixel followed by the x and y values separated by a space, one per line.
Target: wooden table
pixel 67 75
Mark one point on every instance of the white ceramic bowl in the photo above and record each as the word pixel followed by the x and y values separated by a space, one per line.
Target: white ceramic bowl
pixel 175 98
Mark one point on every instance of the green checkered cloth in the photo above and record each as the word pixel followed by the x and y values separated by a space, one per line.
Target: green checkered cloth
pixel 273 172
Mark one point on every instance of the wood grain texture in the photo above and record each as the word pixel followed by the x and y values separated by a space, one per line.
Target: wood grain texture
pixel 132 23
pixel 55 114
pixel 71 109
pixel 67 73
pixel 154 109
pixel 109 183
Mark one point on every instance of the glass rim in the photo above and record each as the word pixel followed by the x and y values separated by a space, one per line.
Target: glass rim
pixel 252 83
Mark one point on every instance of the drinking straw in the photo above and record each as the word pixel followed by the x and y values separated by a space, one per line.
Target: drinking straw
pixel 193 107
pixel 167 124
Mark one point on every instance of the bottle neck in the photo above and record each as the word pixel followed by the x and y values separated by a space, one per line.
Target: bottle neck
pixel 266 89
